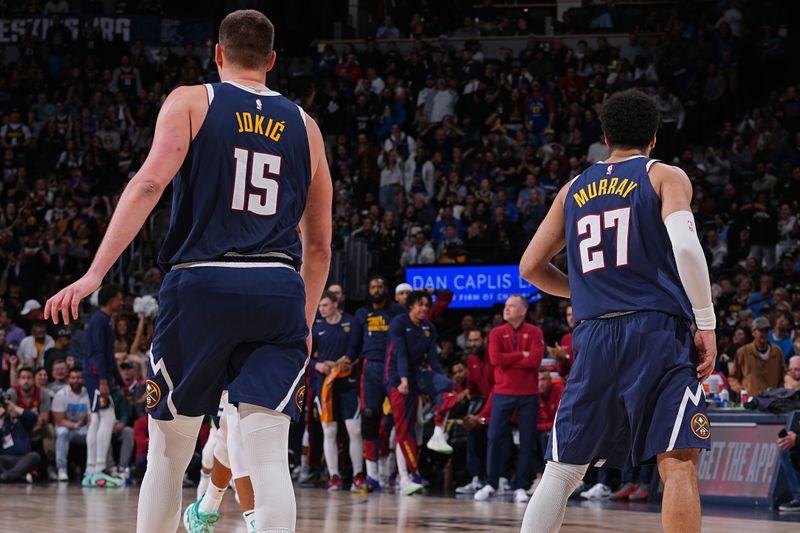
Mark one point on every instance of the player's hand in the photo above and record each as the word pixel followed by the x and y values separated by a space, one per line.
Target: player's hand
pixel 788 442
pixel 706 343
pixel 67 300
pixel 470 422
pixel 403 387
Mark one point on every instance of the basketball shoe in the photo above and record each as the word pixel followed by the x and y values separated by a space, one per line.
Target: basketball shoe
pixel 438 442
pixel 359 484
pixel 335 484
pixel 196 522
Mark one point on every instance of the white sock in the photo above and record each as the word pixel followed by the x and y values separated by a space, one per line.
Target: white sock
pixel 356 445
pixel 545 511
pixel 402 467
pixel 384 469
pixel 169 452
pixel 235 445
pixel 329 447
pixel 91 443
pixel 205 479
pixel 104 431
pixel 266 440
pixel 248 516
pixel 372 469
pixel 212 498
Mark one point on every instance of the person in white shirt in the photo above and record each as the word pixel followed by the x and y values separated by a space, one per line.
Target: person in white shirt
pixel 31 348
pixel 71 418
pixel 420 252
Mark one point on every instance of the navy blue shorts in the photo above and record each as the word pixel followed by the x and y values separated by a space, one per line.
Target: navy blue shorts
pixel 224 327
pixel 633 389
pixel 373 384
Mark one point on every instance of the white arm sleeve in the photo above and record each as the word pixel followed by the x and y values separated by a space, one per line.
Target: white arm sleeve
pixel 692 267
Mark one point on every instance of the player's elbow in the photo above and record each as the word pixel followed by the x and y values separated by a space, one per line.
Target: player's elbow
pixel 318 252
pixel 529 270
pixel 147 188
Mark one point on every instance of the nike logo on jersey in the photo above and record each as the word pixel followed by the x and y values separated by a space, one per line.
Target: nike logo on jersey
pixel 321 333
pixel 408 329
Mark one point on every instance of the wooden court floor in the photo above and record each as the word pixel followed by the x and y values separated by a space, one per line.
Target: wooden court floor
pixel 67 509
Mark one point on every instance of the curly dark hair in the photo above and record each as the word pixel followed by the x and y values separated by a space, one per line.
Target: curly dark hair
pixel 630 119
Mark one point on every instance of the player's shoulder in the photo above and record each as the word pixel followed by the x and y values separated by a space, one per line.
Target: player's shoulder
pixel 662 174
pixel 186 93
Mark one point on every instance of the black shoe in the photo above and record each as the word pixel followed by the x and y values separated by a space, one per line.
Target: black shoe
pixel 791 507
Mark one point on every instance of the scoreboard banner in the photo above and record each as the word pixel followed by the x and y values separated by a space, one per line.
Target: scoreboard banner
pixel 473 286
pixel 152 30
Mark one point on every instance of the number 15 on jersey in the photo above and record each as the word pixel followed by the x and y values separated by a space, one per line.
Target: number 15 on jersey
pixel 263 200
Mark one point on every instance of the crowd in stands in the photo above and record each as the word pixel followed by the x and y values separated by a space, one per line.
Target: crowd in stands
pixel 441 154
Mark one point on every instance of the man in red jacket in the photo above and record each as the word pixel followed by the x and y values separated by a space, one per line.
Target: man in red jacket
pixel 515 351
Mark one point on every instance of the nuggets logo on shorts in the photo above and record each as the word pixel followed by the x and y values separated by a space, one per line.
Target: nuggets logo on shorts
pixel 300 396
pixel 700 426
pixel 427 333
pixel 152 394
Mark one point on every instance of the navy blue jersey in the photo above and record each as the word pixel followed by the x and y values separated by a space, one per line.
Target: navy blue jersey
pixel 618 251
pixel 100 361
pixel 411 348
pixel 243 185
pixel 332 340
pixel 371 331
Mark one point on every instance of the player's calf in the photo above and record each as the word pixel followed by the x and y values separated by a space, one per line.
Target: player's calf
pixel 680 507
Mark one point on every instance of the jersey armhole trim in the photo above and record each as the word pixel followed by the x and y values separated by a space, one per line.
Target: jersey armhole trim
pixel 209 92
pixel 651 163
pixel 303 115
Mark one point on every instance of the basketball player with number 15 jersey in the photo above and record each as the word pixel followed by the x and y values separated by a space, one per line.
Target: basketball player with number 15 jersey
pixel 644 340
pixel 248 252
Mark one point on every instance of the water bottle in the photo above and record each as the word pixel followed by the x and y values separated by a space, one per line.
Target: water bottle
pixel 743 397
pixel 724 397
pixel 126 476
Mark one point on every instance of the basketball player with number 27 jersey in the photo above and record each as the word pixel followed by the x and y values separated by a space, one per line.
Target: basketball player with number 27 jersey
pixel 248 252
pixel 644 339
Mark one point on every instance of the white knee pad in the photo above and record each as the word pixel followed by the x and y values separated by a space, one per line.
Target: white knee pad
pixel 235 443
pixel 221 446
pixel 208 449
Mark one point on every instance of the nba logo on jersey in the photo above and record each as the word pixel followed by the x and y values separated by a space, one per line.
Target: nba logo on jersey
pixel 609 169
pixel 258 104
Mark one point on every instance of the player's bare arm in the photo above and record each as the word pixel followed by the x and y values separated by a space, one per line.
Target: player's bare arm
pixel 316 224
pixel 673 186
pixel 173 133
pixel 549 240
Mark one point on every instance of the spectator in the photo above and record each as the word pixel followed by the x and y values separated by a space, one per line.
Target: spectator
pixel 515 351
pixel 14 333
pixel 71 418
pixel 60 349
pixel 550 393
pixel 420 252
pixel 759 365
pixel 792 378
pixel 60 375
pixel 388 30
pixel 32 348
pixel 781 336
pixel 17 461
